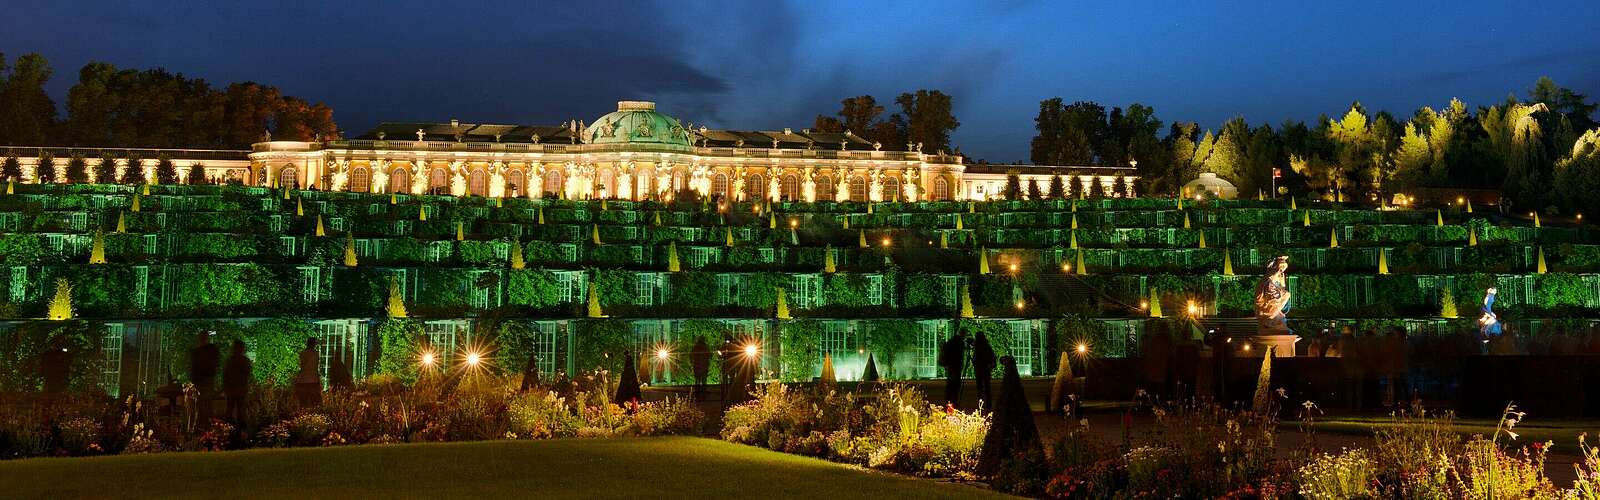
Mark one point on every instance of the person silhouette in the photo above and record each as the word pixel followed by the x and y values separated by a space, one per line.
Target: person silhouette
pixel 204 359
pixel 530 373
pixel 983 364
pixel 55 366
pixel 951 358
pixel 308 381
pixel 700 363
pixel 339 376
pixel 236 382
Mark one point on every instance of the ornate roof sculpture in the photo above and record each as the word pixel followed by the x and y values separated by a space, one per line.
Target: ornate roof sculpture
pixel 636 122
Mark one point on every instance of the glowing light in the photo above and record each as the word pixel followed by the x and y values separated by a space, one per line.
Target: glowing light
pixel 1144 304
pixel 1019 305
pixel 1066 268
pixel 1461 200
pixel 473 358
pixel 427 359
pixel 1083 348
pixel 1246 347
pixel 1193 309
pixel 752 350
pixel 885 241
pixel 794 223
pixel 1012 267
pixel 662 354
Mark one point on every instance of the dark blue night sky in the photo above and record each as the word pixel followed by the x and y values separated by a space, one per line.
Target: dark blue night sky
pixel 772 64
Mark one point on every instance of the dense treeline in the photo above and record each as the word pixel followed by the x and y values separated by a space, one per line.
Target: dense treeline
pixel 112 107
pixel 1542 151
pixel 925 121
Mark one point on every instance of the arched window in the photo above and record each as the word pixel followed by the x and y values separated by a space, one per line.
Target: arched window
pixel 719 185
pixel 824 188
pixel 400 180
pixel 553 183
pixel 478 183
pixel 606 184
pixel 679 181
pixel 858 188
pixel 941 189
pixel 261 173
pixel 515 183
pixel 438 181
pixel 891 189
pixel 755 187
pixel 287 178
pixel 789 188
pixel 360 180
pixel 644 183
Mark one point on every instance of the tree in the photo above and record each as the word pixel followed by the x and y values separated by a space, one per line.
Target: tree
pixel 1013 191
pixel 1034 191
pixel 11 168
pixel 1574 106
pixel 929 119
pixel 27 114
pixel 134 171
pixel 166 172
pixel 77 170
pixel 105 171
pixel 1181 143
pixel 1057 191
pixel 45 171
pixel 197 174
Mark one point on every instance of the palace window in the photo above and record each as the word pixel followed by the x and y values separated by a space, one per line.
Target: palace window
pixel 719 186
pixel 360 180
pixel 400 181
pixel 438 180
pixel 790 187
pixel 515 183
pixel 286 178
pixel 606 186
pixel 858 188
pixel 553 182
pixel 679 183
pixel 941 189
pixel 891 189
pixel 478 183
pixel 755 187
pixel 824 188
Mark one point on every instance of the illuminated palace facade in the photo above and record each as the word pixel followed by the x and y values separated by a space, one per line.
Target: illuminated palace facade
pixel 637 153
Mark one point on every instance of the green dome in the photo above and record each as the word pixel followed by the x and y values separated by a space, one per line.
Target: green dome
pixel 636 122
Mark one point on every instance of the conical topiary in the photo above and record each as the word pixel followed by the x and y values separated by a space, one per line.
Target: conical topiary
pixel 1292 205
pixel 966 302
pixel 1438 218
pixel 972 208
pixel 1472 236
pixel 827 370
pixel 1062 387
pixel 657 220
pixel 983 260
pixel 61 303
pixel 1227 263
pixel 1180 200
pixel 1075 220
pixel 827 260
pixel 1447 303
pixel 422 212
pixel 1540 267
pixel 1469 206
pixel 1073 243
pixel 1202 238
pixel 299 208
pixel 499 203
pixel 1155 303
pixel 1013 432
pixel 959 222
pixel 97 250
pixel 1186 224
pixel 393 199
pixel 944 240
pixel 594 234
pixel 396 305
pixel 772 220
pixel 1536 219
pixel 783 305
pixel 846 224
pixel 1262 401
pixel 673 264
pixel 285 190
pixel 1383 261
pixel 135 207
pixel 628 383
pixel 122 223
pixel 541 216
pixel 350 250
pixel 862 235
pixel 146 190
pixel 321 231
pixel 870 373
pixel 517 261
pixel 594 301
pixel 1080 268
pixel 461 231
pixel 1333 238
pixel 603 207
pixel 11 186
pixel 1305 218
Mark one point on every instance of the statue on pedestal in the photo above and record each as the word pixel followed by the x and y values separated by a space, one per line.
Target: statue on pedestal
pixel 1272 299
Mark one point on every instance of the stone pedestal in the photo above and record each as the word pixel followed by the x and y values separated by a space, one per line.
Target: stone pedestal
pixel 1253 346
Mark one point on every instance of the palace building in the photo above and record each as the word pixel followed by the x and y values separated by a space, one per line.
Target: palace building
pixel 638 153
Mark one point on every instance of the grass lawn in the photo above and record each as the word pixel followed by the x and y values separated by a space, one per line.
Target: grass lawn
pixel 671 467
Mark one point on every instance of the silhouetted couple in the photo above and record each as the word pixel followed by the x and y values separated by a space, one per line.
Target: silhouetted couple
pixel 952 357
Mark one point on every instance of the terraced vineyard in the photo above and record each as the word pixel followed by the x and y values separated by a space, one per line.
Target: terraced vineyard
pixel 577 283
